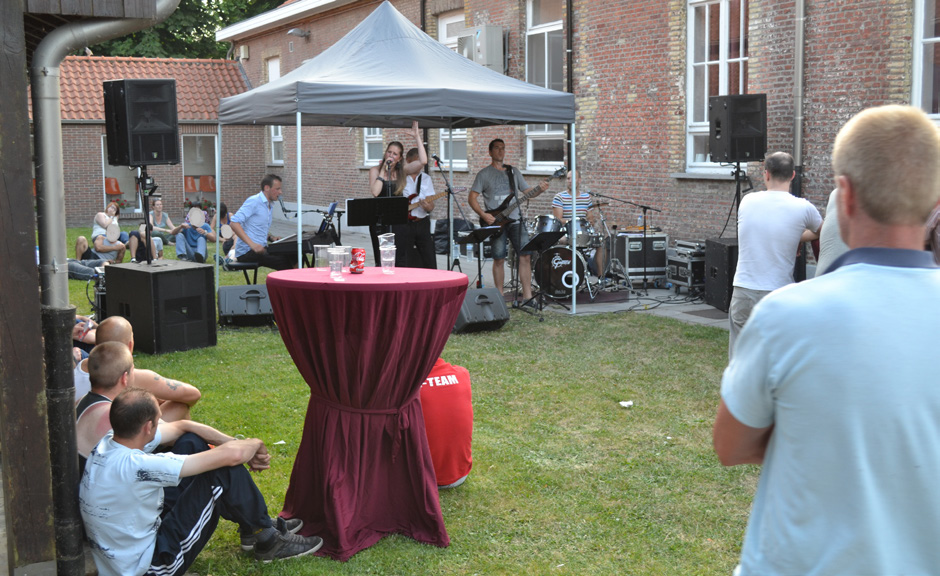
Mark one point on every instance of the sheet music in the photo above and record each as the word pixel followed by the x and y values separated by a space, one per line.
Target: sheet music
pixel 291 238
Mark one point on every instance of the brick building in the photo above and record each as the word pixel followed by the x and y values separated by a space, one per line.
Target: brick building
pixel 90 182
pixel 641 72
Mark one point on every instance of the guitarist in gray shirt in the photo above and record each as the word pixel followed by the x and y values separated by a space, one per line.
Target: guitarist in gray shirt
pixel 493 184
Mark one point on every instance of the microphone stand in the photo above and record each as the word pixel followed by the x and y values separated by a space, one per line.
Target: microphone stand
pixel 645 208
pixel 455 263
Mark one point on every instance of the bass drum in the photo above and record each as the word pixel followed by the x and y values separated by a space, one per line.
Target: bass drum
pixel 553 272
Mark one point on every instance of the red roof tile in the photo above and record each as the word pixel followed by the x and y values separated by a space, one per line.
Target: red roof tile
pixel 200 83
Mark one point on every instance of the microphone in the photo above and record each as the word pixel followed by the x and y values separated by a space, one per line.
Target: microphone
pixel 436 159
pixel 284 208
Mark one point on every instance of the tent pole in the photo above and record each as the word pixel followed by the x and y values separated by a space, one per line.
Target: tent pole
pixel 300 212
pixel 218 200
pixel 451 199
pixel 571 239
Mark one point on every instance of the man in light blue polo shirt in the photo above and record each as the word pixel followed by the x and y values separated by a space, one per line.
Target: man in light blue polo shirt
pixel 251 224
pixel 833 387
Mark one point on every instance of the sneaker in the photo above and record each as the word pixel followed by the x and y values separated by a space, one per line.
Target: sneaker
pixel 133 260
pixel 199 258
pixel 290 526
pixel 285 545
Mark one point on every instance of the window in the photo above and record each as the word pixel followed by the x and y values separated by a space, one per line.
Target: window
pixel 118 183
pixel 545 52
pixel 199 167
pixel 449 26
pixel 373 148
pixel 277 133
pixel 926 66
pixel 717 66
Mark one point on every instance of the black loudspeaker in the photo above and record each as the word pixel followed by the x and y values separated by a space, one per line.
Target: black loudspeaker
pixel 141 124
pixel 737 127
pixel 245 305
pixel 721 260
pixel 482 309
pixel 170 304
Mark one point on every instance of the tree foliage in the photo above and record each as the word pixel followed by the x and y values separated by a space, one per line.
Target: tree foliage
pixel 189 32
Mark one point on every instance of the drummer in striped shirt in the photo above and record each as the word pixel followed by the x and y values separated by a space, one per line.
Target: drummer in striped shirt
pixel 584 208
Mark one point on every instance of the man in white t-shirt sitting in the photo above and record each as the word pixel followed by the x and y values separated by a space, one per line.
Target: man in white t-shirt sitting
pixel 132 528
pixel 771 226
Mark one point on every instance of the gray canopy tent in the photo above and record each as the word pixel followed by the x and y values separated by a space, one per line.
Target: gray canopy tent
pixel 362 81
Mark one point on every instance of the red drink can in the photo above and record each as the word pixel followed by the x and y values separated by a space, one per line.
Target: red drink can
pixel 358 263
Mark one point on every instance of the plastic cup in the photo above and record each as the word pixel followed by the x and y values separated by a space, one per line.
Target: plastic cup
pixel 387 256
pixel 336 264
pixel 321 257
pixel 387 239
pixel 347 258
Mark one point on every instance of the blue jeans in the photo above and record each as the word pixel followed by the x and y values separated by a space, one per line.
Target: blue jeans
pixel 186 252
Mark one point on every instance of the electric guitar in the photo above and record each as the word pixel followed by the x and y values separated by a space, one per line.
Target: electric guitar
pixel 501 213
pixel 416 204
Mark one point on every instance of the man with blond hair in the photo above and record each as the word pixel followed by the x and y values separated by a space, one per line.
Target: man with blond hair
pixel 832 387
pixel 175 397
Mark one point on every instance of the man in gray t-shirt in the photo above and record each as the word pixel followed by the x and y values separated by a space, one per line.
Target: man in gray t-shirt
pixel 492 183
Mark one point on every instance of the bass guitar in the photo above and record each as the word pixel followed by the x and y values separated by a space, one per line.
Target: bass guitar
pixel 501 213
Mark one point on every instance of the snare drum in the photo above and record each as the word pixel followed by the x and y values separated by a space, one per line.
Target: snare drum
pixel 553 272
pixel 586 237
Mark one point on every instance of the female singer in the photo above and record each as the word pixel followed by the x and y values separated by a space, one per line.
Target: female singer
pixel 388 179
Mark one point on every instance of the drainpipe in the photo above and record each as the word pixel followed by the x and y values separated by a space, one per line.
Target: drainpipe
pixel 57 315
pixel 796 187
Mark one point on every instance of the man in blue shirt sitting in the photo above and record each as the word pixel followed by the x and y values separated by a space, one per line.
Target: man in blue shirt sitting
pixel 251 224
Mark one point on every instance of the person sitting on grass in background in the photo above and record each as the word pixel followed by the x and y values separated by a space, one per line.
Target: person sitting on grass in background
pixel 176 398
pixel 152 513
pixel 136 246
pixel 102 248
pixel 192 239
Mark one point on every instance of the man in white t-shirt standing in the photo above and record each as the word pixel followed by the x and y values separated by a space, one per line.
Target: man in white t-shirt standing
pixel 771 226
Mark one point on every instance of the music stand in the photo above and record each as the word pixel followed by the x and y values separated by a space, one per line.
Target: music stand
pixel 477 236
pixel 539 243
pixel 377 211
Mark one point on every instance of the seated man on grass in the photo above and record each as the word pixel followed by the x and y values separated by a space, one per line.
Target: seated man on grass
pixel 175 397
pixel 153 513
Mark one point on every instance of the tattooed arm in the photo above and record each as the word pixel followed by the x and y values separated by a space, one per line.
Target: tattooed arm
pixel 166 389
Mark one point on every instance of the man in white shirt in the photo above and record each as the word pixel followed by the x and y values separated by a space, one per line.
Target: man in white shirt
pixel 418 243
pixel 771 226
pixel 833 387
pixel 132 528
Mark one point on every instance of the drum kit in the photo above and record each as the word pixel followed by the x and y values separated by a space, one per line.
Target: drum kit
pixel 552 268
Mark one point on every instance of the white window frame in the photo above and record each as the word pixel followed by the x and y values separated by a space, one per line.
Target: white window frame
pixel 922 75
pixel 273 65
pixel 697 129
pixel 535 132
pixel 371 136
pixel 459 134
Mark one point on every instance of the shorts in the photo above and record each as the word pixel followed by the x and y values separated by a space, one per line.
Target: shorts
pixel 517 234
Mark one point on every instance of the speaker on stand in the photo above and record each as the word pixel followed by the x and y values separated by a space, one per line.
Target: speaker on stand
pixel 737 127
pixel 141 122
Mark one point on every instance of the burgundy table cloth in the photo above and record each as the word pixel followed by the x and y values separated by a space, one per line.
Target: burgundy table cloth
pixel 364 346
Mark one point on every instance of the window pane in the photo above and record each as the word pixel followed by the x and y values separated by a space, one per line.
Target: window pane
pixel 460 150
pixel 535 66
pixel 277 151
pixel 556 56
pixel 930 98
pixel 700 17
pixel 734 29
pixel 735 85
pixel 714 86
pixel 931 24
pixel 548 150
pixel 714 31
pixel 545 11
pixel 374 150
pixel 699 101
pixel 700 148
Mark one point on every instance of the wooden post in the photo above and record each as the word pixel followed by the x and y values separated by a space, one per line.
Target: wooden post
pixel 24 433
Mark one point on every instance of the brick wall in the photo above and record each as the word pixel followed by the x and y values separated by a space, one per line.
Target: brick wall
pixel 630 88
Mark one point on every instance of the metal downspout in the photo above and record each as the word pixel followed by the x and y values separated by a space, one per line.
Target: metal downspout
pixel 799 272
pixel 57 315
pixel 47 119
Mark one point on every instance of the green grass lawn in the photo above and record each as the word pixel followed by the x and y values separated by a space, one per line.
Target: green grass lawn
pixel 564 481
